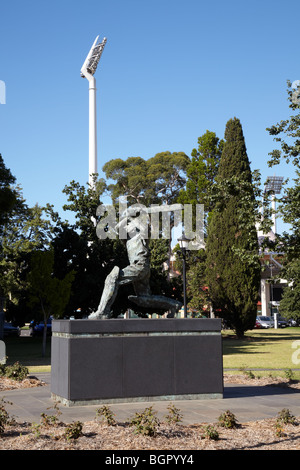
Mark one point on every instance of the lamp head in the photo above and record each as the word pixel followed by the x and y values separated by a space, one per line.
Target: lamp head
pixel 183 242
pixel 91 62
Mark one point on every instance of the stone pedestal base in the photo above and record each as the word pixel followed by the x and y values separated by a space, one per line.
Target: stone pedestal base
pixel 115 361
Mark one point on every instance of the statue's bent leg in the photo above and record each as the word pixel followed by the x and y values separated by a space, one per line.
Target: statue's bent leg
pixel 109 294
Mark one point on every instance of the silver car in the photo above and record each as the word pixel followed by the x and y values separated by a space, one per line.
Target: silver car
pixel 266 322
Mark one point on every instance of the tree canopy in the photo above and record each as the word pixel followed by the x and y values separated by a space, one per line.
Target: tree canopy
pixel 233 279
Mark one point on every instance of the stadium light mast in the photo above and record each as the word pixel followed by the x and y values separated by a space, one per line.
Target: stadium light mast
pixel 87 71
pixel 274 183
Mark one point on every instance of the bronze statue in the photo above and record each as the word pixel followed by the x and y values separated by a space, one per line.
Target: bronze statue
pixel 137 273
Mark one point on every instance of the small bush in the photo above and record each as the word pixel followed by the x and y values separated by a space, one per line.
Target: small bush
pixel 106 415
pixel 279 431
pixel 2 370
pixel 16 372
pixel 289 375
pixel 247 373
pixel 228 420
pixel 4 416
pixel 210 432
pixel 285 417
pixel 51 420
pixel 174 416
pixel 145 423
pixel 73 430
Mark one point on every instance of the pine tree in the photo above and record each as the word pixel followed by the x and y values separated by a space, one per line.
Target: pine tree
pixel 233 268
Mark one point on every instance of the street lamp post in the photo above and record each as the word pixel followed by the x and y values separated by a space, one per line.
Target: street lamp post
pixel 271 266
pixel 183 243
pixel 87 71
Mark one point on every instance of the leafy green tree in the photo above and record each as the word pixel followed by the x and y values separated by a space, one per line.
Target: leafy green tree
pixel 7 193
pixel 157 180
pixel 202 171
pixel 290 302
pixel 201 177
pixel 131 180
pixel 27 229
pixel 83 201
pixel 46 291
pixel 233 268
pixel 287 135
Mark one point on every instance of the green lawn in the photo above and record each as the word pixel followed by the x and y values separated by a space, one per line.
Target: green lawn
pixel 260 349
pixel 28 351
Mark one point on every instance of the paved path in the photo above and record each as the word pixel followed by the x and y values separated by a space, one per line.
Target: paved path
pixel 248 403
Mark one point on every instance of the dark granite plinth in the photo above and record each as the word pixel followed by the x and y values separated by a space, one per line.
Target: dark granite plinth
pixel 110 361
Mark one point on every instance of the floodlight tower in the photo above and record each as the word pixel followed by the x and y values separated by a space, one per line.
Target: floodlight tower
pixel 87 71
pixel 274 183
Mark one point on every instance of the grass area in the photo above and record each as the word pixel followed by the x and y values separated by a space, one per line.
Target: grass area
pixel 28 351
pixel 260 349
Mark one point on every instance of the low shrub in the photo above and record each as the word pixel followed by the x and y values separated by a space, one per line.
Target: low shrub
pixel 73 430
pixel 174 416
pixel 210 432
pixel 145 423
pixel 16 372
pixel 106 415
pixel 228 420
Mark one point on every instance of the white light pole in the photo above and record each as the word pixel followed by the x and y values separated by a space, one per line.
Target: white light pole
pixel 274 183
pixel 87 71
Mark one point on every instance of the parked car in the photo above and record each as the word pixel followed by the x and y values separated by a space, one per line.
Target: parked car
pixel 10 330
pixel 266 322
pixel 282 322
pixel 38 328
pixel 257 324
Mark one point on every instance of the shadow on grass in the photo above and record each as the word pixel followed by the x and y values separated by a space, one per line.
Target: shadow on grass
pixel 27 350
pixel 238 391
pixel 234 345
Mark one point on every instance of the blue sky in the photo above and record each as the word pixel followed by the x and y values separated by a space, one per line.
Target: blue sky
pixel 170 71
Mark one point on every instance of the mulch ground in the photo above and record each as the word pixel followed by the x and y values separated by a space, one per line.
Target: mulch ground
pixel 97 435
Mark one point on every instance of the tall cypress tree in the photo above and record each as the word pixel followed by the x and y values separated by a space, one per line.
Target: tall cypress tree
pixel 233 268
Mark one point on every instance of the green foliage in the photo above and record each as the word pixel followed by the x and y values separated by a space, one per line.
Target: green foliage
pixel 7 194
pixel 247 373
pixel 73 430
pixel 228 420
pixel 4 415
pixel 49 292
pixel 154 181
pixel 51 420
pixel 289 374
pixel 27 229
pixel 202 171
pixel 146 422
pixel 16 372
pixel 210 432
pixel 233 267
pixel 286 134
pixel 286 417
pixel 174 416
pixel 84 201
pixel 105 414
